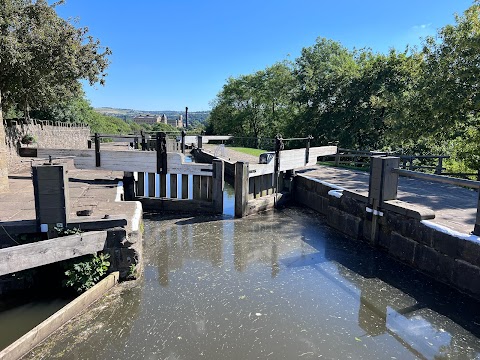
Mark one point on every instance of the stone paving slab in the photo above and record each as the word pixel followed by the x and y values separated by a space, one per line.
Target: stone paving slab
pixel 88 190
pixel 455 207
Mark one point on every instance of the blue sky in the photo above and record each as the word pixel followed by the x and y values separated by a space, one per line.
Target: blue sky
pixel 177 53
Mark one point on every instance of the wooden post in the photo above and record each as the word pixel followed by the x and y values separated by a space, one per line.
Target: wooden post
pixel 204 184
pixel 383 186
pixel 439 168
pixel 151 184
pixel 218 184
pixel 161 153
pixel 97 150
pixel 163 185
pixel 199 142
pixel 184 186
pixel 307 148
pixel 337 157
pixel 173 186
pixel 476 230
pixel 241 188
pixel 135 143
pixel 144 143
pixel 141 184
pixel 197 190
pixel 128 186
pixel 50 185
pixel 183 141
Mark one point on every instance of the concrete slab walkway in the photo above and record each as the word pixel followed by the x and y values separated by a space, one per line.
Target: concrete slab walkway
pixel 455 207
pixel 88 190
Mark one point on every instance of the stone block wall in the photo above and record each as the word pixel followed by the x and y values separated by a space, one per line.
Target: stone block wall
pixel 47 135
pixel 403 232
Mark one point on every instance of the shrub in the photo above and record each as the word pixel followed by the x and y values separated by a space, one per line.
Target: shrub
pixel 84 274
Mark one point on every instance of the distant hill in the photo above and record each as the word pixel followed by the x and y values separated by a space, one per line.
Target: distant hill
pixel 128 114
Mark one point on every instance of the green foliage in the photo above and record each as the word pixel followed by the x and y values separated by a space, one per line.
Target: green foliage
pixel 132 270
pixel 164 127
pixel 66 232
pixel 82 275
pixel 43 57
pixel 27 139
pixel 79 110
pixel 423 102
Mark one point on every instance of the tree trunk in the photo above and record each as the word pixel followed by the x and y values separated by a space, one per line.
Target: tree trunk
pixel 3 154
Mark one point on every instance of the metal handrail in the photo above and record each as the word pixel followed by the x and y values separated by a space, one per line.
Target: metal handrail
pixel 438 178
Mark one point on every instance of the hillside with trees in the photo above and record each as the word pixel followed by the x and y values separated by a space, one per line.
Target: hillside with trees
pixel 416 101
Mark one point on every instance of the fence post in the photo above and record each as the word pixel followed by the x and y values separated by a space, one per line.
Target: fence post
pixel 183 141
pixel 217 185
pixel 383 186
pixel 307 148
pixel 337 157
pixel 476 230
pixel 161 147
pixel 97 150
pixel 199 141
pixel 144 143
pixel 241 188
pixel 439 168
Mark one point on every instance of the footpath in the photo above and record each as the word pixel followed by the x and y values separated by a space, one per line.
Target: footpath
pixel 96 191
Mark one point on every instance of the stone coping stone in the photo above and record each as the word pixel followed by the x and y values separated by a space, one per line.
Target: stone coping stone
pixel 414 211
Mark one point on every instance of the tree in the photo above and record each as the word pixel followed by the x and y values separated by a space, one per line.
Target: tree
pixel 43 57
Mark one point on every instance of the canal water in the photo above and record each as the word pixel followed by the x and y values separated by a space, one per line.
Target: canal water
pixel 280 285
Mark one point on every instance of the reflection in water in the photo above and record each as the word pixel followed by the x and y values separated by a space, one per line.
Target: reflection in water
pixel 279 286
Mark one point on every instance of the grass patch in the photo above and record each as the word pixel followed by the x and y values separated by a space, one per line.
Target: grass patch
pixel 249 151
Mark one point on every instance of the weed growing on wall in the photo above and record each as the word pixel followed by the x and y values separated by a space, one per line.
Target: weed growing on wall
pixel 82 275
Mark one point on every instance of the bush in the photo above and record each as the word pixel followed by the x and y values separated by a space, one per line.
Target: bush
pixel 83 275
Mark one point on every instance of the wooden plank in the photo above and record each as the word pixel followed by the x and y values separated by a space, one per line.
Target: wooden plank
pixel 210 188
pixel 22 257
pixel 18 227
pixel 184 186
pixel 163 185
pixel 206 139
pixel 218 185
pixel 92 224
pixel 177 205
pixel 173 186
pixel 141 184
pixel 197 190
pixel 204 188
pixel 241 188
pixel 261 169
pixel 293 159
pixel 128 160
pixel 257 183
pixel 151 184
pixel 269 183
pixel 251 188
pixel 264 186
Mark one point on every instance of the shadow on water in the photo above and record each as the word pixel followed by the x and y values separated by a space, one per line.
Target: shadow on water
pixel 280 285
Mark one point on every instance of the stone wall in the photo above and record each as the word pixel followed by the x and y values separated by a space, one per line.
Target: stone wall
pixel 3 157
pixel 47 135
pixel 402 231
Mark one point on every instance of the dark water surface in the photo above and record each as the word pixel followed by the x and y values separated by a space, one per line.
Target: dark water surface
pixel 22 313
pixel 274 286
